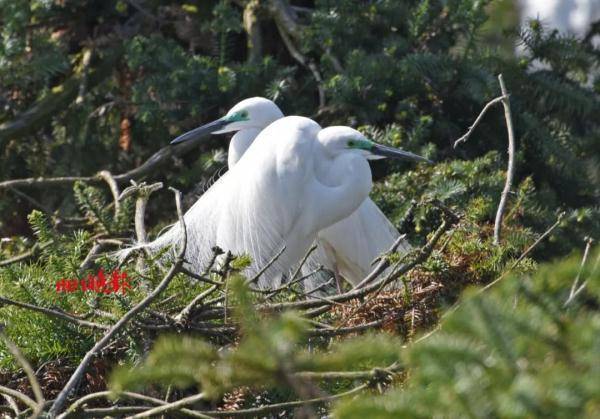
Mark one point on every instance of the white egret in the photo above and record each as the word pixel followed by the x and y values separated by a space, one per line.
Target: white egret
pixel 280 193
pixel 349 246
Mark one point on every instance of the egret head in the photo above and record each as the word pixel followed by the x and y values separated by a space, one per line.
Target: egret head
pixel 338 139
pixel 255 112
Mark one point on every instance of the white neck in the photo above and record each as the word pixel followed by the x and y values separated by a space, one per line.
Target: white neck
pixel 240 143
pixel 347 181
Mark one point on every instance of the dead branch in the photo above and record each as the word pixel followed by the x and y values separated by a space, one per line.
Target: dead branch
pixel 62 397
pixel 77 406
pixel 382 265
pixel 267 266
pixel 25 255
pixel 35 385
pixel 53 313
pixel 20 396
pixel 526 252
pixel 576 288
pixel 149 166
pixel 173 406
pixel 114 189
pixel 143 193
pixel 510 172
pixel 260 411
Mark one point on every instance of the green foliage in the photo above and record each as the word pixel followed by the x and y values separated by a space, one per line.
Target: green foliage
pixel 412 74
pixel 513 351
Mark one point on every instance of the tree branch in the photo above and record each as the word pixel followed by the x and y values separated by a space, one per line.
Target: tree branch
pixel 510 172
pixel 62 397
pixel 54 313
pixel 35 385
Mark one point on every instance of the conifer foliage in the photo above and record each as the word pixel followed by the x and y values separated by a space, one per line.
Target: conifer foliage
pixel 91 93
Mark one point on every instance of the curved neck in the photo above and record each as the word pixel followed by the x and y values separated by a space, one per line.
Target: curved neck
pixel 347 182
pixel 240 143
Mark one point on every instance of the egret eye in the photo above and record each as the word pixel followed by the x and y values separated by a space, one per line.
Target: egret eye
pixel 351 143
pixel 244 114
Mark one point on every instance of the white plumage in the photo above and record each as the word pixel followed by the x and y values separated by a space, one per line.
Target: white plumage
pixel 293 184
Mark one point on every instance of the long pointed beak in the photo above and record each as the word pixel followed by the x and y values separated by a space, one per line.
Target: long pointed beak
pixel 395 153
pixel 201 131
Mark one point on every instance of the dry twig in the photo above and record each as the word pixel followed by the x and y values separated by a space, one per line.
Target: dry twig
pixel 510 172
pixel 62 397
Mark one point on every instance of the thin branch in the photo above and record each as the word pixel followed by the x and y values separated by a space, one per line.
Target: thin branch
pixel 382 265
pixel 575 288
pixel 12 404
pixel 267 266
pixel 79 403
pixel 172 406
pixel 184 314
pixel 200 277
pixel 303 261
pixel 87 262
pixel 491 103
pixel 54 313
pixel 320 306
pixel 25 255
pixel 20 396
pixel 526 252
pixel 352 375
pixel 143 192
pixel 62 396
pixel 35 385
pixel 259 411
pixel 510 172
pixel 114 189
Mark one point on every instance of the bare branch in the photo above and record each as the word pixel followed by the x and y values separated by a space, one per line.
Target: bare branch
pixel 298 56
pixel 382 265
pixel 143 192
pixel 20 396
pixel 260 411
pixel 149 166
pixel 62 397
pixel 79 403
pixel 54 313
pixel 172 406
pixel 526 252
pixel 576 288
pixel 510 172
pixel 26 255
pixel 35 385
pixel 267 266
pixel 465 137
pixel 114 189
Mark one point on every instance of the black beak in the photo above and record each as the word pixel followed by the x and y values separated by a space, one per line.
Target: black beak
pixel 201 131
pixel 395 153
